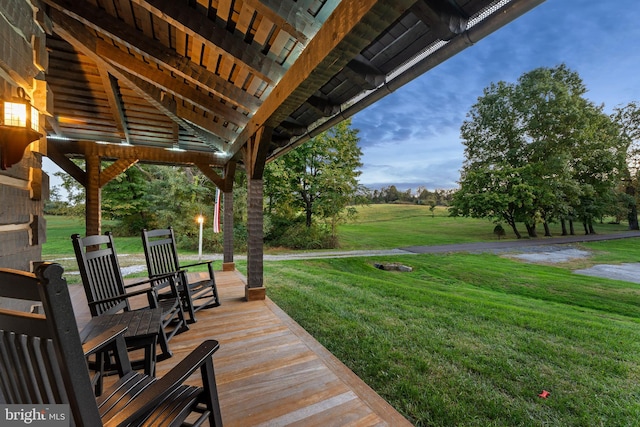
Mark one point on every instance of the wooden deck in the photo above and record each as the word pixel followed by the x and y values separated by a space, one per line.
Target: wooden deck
pixel 270 371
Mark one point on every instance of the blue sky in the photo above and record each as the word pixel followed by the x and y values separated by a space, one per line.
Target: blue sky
pixel 411 137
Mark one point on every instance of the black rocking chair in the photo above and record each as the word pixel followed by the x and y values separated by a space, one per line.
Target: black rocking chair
pixel 162 258
pixel 107 294
pixel 42 362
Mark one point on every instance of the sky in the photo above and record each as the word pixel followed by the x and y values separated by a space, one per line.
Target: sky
pixel 411 137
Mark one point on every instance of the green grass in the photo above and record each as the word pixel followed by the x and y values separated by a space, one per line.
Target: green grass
pixel 60 229
pixel 393 226
pixel 470 340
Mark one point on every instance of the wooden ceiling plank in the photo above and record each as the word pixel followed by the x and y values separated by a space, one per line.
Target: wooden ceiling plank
pixel 264 31
pixel 76 34
pixel 246 16
pixel 177 87
pixel 148 47
pixel 206 30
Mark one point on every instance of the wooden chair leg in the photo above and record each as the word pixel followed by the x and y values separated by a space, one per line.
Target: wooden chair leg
pixel 211 392
pixel 164 345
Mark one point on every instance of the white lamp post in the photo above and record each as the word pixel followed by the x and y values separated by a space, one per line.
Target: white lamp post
pixel 200 220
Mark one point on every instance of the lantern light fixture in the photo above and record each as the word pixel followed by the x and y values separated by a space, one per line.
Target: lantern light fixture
pixel 19 127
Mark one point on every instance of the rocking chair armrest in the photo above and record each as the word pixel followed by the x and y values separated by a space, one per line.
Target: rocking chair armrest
pixel 122 297
pixel 196 264
pixel 150 280
pixel 157 391
pixel 113 339
pixel 103 340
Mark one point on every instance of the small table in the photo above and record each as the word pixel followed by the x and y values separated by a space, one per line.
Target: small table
pixel 143 327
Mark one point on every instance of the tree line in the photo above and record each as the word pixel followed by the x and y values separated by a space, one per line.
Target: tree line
pixel 421 196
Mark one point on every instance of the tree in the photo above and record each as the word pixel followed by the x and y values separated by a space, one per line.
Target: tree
pixel 541 149
pixel 628 117
pixel 318 178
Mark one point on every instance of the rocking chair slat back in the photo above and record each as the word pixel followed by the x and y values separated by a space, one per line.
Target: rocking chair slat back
pixel 101 275
pixel 40 361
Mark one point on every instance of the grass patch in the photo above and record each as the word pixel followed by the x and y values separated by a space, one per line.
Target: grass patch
pixel 393 226
pixel 470 340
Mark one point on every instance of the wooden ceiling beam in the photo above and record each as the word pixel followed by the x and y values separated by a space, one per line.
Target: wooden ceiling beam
pixel 113 96
pixel 77 35
pixel 143 154
pixel 149 48
pixel 177 87
pixel 278 19
pixel 350 28
pixel 213 134
pixel 115 169
pixel 217 38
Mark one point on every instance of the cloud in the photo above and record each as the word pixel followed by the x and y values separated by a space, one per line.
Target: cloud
pixel 411 137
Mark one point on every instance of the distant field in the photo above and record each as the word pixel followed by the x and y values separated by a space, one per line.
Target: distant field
pixel 376 227
pixel 392 226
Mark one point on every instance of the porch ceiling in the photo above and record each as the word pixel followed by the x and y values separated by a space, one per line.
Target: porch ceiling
pixel 205 75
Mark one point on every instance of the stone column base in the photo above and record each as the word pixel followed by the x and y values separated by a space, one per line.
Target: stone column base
pixel 255 294
pixel 228 266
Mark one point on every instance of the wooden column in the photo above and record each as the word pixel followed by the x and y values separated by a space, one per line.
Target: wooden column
pixel 227 189
pixel 255 157
pixel 255 270
pixel 93 211
pixel 93 178
pixel 228 264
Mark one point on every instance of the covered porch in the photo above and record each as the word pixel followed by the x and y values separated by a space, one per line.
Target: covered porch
pixel 269 370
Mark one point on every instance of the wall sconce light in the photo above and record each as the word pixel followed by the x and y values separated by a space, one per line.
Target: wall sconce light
pixel 19 124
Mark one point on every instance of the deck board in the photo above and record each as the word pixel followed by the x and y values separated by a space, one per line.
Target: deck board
pixel 269 370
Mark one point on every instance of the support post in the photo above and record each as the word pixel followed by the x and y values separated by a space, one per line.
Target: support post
pixel 93 210
pixel 255 264
pixel 255 158
pixel 227 245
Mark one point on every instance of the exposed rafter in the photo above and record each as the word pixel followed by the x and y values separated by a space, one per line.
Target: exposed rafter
pixel 113 96
pixel 207 31
pixel 194 73
pixel 77 34
pixel 166 81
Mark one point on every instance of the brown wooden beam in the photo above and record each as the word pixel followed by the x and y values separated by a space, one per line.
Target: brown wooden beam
pixel 177 87
pixel 113 97
pixel 133 39
pixel 143 154
pixel 349 29
pixel 255 153
pixel 115 169
pixel 58 157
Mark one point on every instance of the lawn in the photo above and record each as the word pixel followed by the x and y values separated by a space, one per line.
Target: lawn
pixel 392 226
pixel 471 340
pixel 464 340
